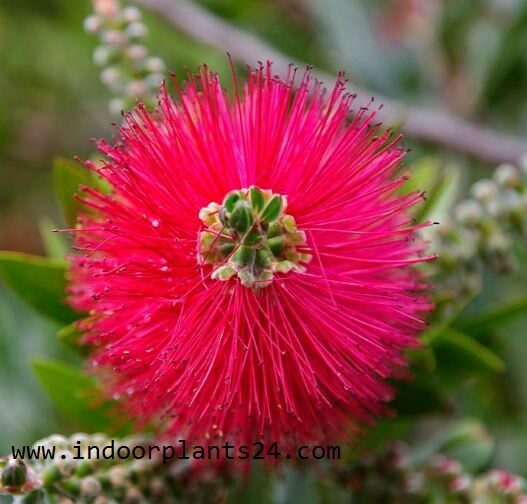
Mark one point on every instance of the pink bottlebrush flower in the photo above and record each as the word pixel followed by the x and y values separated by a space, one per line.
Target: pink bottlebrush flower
pixel 250 274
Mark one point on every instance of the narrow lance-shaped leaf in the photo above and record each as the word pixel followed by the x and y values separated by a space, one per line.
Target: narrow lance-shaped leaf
pixel 494 317
pixel 74 394
pixel 38 281
pixel 68 177
pixel 467 351
pixel 441 197
pixel 55 244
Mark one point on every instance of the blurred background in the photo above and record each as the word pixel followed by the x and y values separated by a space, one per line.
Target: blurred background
pixel 466 56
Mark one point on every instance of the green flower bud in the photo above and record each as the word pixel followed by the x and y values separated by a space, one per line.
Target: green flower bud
pixel 264 257
pixel 14 474
pixel 84 468
pixel 272 209
pixel 275 229
pixel 223 273
pixel 256 198
pixel 35 497
pixel 230 200
pixel 241 218
pixel 276 245
pixel 289 223
pixel 284 266
pixel 227 247
pixel 244 255
pixel 253 238
pixel 246 277
pixel 72 485
pixel 297 237
pixel 51 475
pixel 209 214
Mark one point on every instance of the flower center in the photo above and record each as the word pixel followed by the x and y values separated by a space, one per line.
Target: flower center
pixel 250 236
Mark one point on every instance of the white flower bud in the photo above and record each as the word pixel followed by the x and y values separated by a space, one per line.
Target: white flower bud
pixel 92 24
pixel 102 55
pixel 485 190
pixel 137 52
pixel 110 76
pixel 460 483
pixel 136 89
pixel 507 175
pixel 468 212
pixel 496 209
pixel 155 65
pixel 107 8
pixel 90 487
pixel 56 440
pixel 131 14
pixel 113 37
pixel 136 30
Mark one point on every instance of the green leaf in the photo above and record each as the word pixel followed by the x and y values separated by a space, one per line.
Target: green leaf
pixel 417 398
pixel 464 440
pixel 254 490
pixel 460 350
pixel 494 317
pixel 68 177
pixel 38 281
pixel 470 443
pixel 74 394
pixel 55 244
pixel 442 194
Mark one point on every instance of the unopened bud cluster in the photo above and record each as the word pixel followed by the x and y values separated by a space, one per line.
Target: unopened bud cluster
pixel 127 68
pixel 69 479
pixel 390 477
pixel 249 236
pixel 482 228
